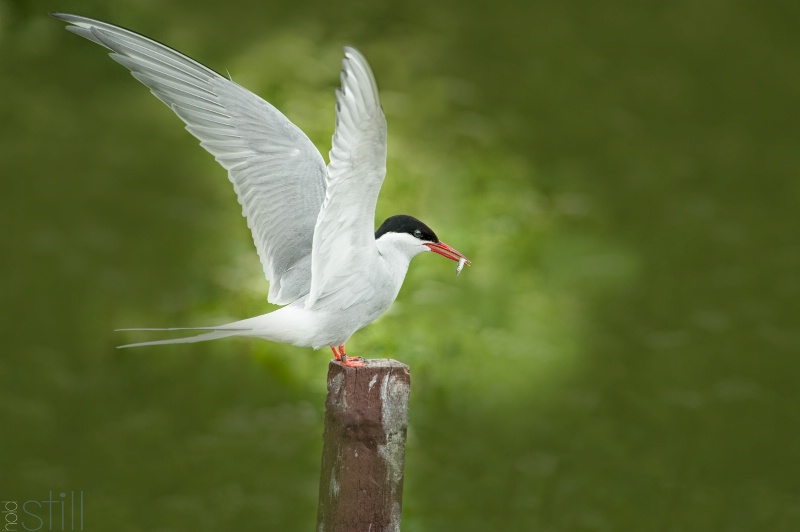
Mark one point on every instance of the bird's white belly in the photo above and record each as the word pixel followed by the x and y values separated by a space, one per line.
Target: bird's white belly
pixel 332 318
pixel 313 327
pixel 335 327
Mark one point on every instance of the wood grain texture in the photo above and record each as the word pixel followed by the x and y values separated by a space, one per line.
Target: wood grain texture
pixel 366 418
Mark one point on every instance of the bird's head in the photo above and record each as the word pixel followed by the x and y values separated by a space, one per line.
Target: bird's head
pixel 412 237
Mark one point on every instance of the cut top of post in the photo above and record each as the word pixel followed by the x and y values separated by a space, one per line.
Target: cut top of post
pixel 393 382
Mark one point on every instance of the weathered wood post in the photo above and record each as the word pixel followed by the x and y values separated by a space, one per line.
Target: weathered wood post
pixel 363 455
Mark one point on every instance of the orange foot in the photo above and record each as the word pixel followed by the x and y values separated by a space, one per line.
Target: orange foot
pixel 353 362
pixel 341 356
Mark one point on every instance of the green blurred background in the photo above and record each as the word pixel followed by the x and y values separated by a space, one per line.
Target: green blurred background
pixel 622 355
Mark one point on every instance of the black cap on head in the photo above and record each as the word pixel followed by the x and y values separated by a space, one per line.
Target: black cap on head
pixel 403 223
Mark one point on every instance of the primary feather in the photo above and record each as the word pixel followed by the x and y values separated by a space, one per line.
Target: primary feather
pixel 277 173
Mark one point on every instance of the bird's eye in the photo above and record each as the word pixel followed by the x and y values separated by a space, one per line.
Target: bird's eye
pixel 418 233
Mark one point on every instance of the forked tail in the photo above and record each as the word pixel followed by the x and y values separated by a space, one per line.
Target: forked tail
pixel 216 332
pixel 289 325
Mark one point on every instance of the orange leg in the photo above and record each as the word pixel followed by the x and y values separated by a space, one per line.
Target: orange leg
pixel 336 355
pixel 341 356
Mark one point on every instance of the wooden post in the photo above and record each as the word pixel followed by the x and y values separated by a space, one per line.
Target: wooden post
pixel 363 456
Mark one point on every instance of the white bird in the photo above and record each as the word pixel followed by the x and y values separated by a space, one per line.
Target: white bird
pixel 312 225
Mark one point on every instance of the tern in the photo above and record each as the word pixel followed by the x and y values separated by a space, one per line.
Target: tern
pixel 312 224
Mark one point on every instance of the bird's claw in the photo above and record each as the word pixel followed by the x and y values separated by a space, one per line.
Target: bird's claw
pixel 352 362
pixel 340 356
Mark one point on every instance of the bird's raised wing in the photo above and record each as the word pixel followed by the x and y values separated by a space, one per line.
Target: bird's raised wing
pixel 277 173
pixel 344 237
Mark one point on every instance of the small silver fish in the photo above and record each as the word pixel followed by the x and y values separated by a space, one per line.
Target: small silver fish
pixel 461 262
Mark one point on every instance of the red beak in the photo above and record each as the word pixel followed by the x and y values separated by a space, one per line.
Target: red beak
pixel 446 251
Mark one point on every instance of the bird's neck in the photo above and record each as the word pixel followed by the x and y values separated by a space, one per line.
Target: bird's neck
pixel 395 259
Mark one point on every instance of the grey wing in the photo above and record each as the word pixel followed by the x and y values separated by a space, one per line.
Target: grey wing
pixel 277 173
pixel 344 238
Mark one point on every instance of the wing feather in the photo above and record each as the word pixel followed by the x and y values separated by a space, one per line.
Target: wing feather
pixel 344 236
pixel 277 173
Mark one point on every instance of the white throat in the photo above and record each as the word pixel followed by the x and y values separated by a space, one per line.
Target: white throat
pixel 399 248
